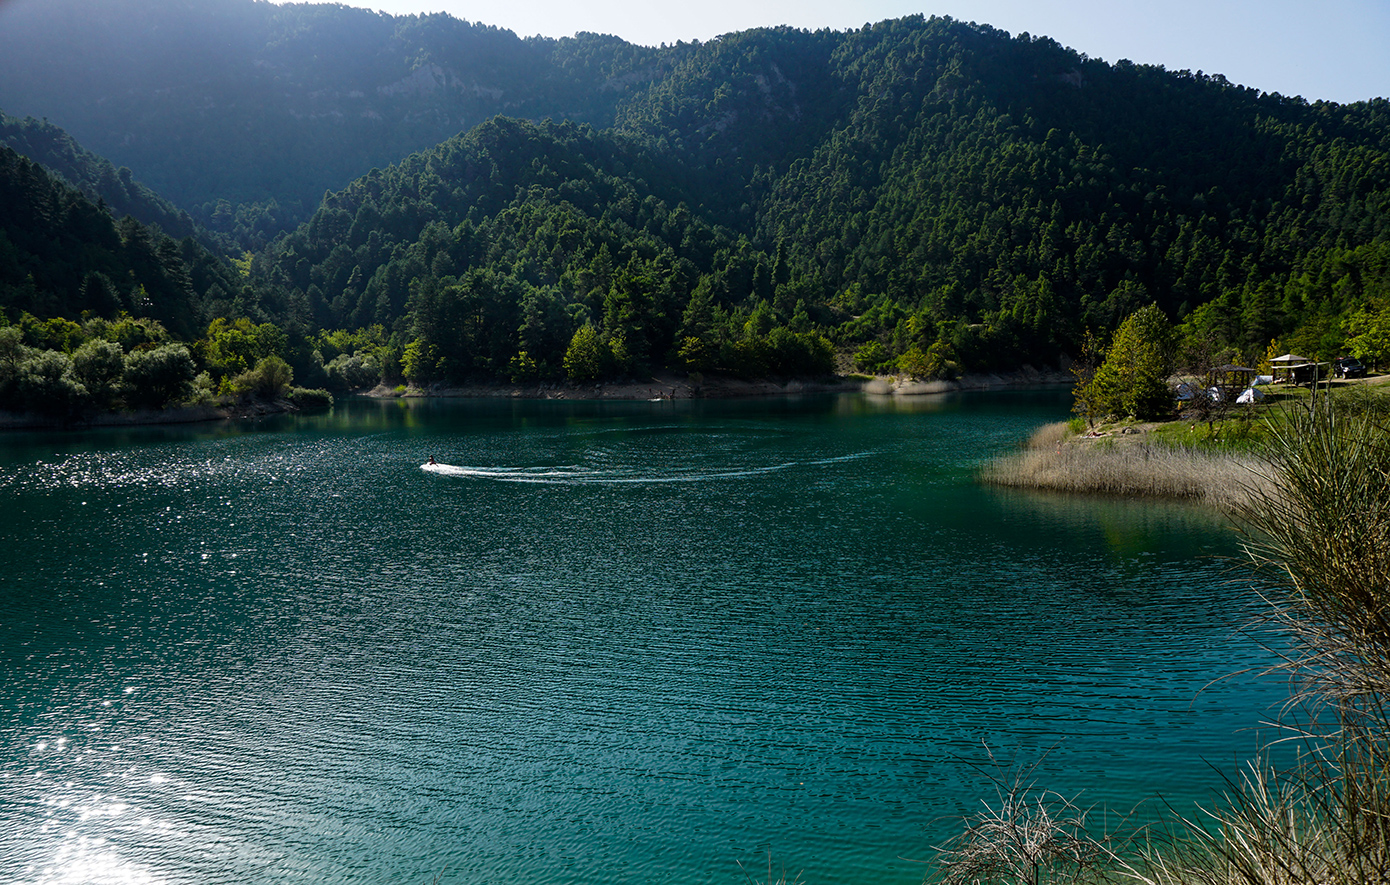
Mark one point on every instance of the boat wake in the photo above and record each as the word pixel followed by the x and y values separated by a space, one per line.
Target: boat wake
pixel 574 474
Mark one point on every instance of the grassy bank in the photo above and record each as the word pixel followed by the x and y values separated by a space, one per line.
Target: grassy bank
pixel 1222 463
pixel 1133 463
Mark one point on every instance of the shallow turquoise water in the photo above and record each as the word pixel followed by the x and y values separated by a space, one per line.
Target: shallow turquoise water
pixel 601 643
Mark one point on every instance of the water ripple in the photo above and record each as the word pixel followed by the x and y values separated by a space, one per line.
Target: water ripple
pixel 647 649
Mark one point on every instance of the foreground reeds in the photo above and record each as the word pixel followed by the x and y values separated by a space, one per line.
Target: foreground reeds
pixel 1120 466
pixel 1321 534
pixel 1314 509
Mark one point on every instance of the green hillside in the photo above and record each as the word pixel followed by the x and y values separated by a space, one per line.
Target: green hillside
pixel 921 195
pixel 244 112
pixel 99 180
pixel 63 256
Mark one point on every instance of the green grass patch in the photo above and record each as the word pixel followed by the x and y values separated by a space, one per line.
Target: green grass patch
pixel 1237 434
pixel 1248 429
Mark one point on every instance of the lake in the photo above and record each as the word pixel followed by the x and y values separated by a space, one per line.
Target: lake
pixel 598 643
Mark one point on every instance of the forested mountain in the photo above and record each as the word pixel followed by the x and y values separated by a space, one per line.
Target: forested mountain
pixel 244 111
pixel 1017 184
pixel 61 255
pixel 100 181
pixel 926 195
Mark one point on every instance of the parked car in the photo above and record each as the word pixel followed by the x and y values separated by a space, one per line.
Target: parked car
pixel 1348 367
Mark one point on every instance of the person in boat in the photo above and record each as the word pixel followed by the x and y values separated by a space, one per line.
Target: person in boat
pixel 432 459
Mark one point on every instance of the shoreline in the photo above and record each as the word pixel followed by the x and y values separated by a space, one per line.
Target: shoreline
pixel 671 386
pixel 148 417
pixel 662 386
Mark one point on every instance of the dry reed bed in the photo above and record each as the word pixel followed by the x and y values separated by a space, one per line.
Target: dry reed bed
pixel 1126 466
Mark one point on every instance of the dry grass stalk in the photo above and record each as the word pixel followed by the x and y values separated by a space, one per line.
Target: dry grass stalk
pixel 780 880
pixel 1326 537
pixel 1305 826
pixel 1025 834
pixel 1128 468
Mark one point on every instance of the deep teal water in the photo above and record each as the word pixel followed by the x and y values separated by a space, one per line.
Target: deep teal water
pixel 602 643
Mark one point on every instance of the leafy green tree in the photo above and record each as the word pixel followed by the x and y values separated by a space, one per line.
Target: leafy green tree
pixel 935 362
pixel 12 350
pixel 523 368
pixel 872 357
pixel 352 371
pixel 1133 379
pixel 46 385
pixel 418 361
pixel 697 354
pixel 270 379
pixel 913 363
pixel 586 357
pixel 98 365
pixel 235 346
pixel 1370 336
pixel 54 333
pixel 158 377
pixel 132 332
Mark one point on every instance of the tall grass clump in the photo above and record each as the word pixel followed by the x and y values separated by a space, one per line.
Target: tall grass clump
pixel 1321 535
pixel 1125 468
pixel 1318 531
pixel 1323 532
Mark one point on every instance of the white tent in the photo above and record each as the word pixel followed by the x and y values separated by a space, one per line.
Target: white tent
pixel 1250 395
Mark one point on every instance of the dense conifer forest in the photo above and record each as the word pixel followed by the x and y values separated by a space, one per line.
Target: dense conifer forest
pixel 420 198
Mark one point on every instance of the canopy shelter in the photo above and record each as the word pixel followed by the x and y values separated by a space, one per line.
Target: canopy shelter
pixel 1308 373
pixel 1283 366
pixel 1224 383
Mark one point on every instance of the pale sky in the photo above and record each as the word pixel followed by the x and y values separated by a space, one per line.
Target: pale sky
pixel 1337 50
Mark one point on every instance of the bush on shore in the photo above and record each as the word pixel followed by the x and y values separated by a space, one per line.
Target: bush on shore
pixel 310 398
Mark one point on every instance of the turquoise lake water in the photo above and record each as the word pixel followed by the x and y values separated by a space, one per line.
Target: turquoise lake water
pixel 599 643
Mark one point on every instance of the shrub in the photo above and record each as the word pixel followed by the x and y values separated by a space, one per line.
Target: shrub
pixel 155 378
pixel 310 399
pixel 935 362
pixel 351 371
pixel 269 380
pixel 45 385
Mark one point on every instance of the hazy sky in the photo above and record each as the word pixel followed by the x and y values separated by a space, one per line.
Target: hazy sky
pixel 1330 49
